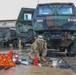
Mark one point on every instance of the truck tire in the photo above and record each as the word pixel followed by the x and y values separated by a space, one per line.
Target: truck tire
pixel 31 34
pixel 72 50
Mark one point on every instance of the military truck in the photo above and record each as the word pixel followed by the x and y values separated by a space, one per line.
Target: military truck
pixel 10 36
pixel 24 25
pixel 7 35
pixel 56 22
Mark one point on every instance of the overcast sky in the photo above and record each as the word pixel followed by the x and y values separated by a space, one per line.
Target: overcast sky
pixel 9 9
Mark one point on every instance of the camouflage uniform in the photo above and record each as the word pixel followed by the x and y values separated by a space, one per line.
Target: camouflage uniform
pixel 38 49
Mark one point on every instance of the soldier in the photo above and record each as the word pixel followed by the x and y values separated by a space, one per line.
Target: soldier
pixel 39 49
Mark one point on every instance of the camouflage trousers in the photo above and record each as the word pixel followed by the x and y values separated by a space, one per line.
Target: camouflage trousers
pixel 39 54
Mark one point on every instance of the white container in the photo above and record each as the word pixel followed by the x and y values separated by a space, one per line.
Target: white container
pixel 55 63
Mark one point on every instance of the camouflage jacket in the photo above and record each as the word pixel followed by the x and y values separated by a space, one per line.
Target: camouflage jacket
pixel 38 45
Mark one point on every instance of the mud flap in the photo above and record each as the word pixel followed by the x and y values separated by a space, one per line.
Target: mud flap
pixel 72 50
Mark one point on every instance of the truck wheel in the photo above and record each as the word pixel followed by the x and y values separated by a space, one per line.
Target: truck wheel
pixel 30 33
pixel 72 50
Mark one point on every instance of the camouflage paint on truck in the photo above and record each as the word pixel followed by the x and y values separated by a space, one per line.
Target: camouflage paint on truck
pixel 24 24
pixel 54 16
pixel 53 21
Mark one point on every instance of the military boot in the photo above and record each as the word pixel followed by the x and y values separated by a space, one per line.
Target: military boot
pixel 43 59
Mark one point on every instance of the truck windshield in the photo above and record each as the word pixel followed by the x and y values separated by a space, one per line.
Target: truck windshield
pixel 45 11
pixel 65 11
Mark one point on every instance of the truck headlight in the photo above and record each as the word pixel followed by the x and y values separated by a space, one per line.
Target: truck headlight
pixel 71 20
pixel 39 20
